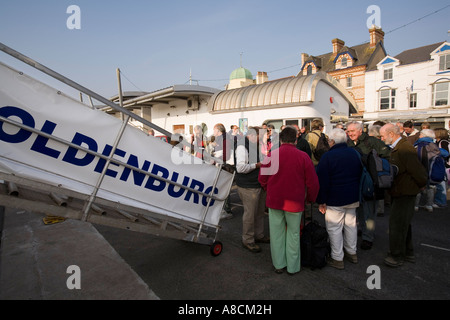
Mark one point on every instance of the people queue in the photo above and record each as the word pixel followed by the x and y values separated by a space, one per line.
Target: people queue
pixel 280 173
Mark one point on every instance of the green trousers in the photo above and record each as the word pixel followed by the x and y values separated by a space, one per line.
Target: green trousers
pixel 285 239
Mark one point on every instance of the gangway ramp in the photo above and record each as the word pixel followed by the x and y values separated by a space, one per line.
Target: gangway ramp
pixel 68 159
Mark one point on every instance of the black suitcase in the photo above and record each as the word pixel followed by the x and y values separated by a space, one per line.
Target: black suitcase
pixel 314 244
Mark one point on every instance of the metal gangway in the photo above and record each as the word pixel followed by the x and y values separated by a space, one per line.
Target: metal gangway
pixel 63 158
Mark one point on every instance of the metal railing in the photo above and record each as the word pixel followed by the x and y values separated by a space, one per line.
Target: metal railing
pixel 109 159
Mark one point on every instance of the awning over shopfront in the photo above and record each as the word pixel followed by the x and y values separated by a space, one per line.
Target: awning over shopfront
pixel 436 115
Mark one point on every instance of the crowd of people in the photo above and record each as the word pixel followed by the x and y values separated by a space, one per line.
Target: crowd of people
pixel 281 172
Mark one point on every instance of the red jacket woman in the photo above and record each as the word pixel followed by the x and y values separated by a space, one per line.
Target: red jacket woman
pixel 289 178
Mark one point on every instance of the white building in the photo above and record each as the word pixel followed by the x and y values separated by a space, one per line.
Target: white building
pixel 294 100
pixel 413 85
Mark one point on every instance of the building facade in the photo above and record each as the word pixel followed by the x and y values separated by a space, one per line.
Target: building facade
pixel 414 85
pixel 349 65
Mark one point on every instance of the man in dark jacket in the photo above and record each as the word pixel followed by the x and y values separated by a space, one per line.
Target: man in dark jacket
pixel 366 212
pixel 411 178
pixel 339 172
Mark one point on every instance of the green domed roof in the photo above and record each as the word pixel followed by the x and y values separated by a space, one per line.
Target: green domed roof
pixel 241 73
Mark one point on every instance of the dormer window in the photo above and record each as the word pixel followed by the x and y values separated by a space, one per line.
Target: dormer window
pixel 387 74
pixel 309 70
pixel 343 60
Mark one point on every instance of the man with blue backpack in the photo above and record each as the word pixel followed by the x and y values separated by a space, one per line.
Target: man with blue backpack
pixel 432 159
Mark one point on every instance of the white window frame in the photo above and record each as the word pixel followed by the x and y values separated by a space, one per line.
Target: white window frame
pixel 390 98
pixel 388 73
pixel 413 100
pixel 349 82
pixel 442 93
pixel 444 62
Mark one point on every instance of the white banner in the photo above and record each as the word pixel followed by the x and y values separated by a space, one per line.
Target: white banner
pixel 29 155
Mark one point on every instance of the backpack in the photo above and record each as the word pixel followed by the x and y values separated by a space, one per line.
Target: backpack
pixel 321 147
pixel 430 156
pixel 445 145
pixel 366 185
pixel 314 245
pixel 381 170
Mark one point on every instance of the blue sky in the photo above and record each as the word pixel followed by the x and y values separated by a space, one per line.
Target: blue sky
pixel 157 43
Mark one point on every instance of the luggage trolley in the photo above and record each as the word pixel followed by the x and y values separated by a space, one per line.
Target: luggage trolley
pixel 48 196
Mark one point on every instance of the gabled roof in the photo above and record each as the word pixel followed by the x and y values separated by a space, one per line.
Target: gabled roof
pixel 388 60
pixel 316 60
pixel 348 50
pixel 362 54
pixel 417 54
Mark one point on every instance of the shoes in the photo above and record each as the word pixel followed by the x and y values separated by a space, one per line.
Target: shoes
pixel 335 264
pixel 226 215
pixel 279 271
pixel 264 239
pixel 353 258
pixel 416 208
pixel 252 247
pixel 366 245
pixel 392 262
pixel 429 208
pixel 411 259
pixel 438 206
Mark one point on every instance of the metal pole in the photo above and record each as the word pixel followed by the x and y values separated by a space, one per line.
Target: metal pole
pixel 100 179
pixel 92 104
pixel 205 212
pixel 119 82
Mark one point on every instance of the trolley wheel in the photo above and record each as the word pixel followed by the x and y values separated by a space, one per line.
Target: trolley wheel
pixel 216 248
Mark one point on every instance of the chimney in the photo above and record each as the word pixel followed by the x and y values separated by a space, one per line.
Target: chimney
pixel 376 35
pixel 261 77
pixel 304 57
pixel 337 45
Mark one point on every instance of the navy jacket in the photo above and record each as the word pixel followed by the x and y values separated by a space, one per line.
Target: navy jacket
pixel 339 171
